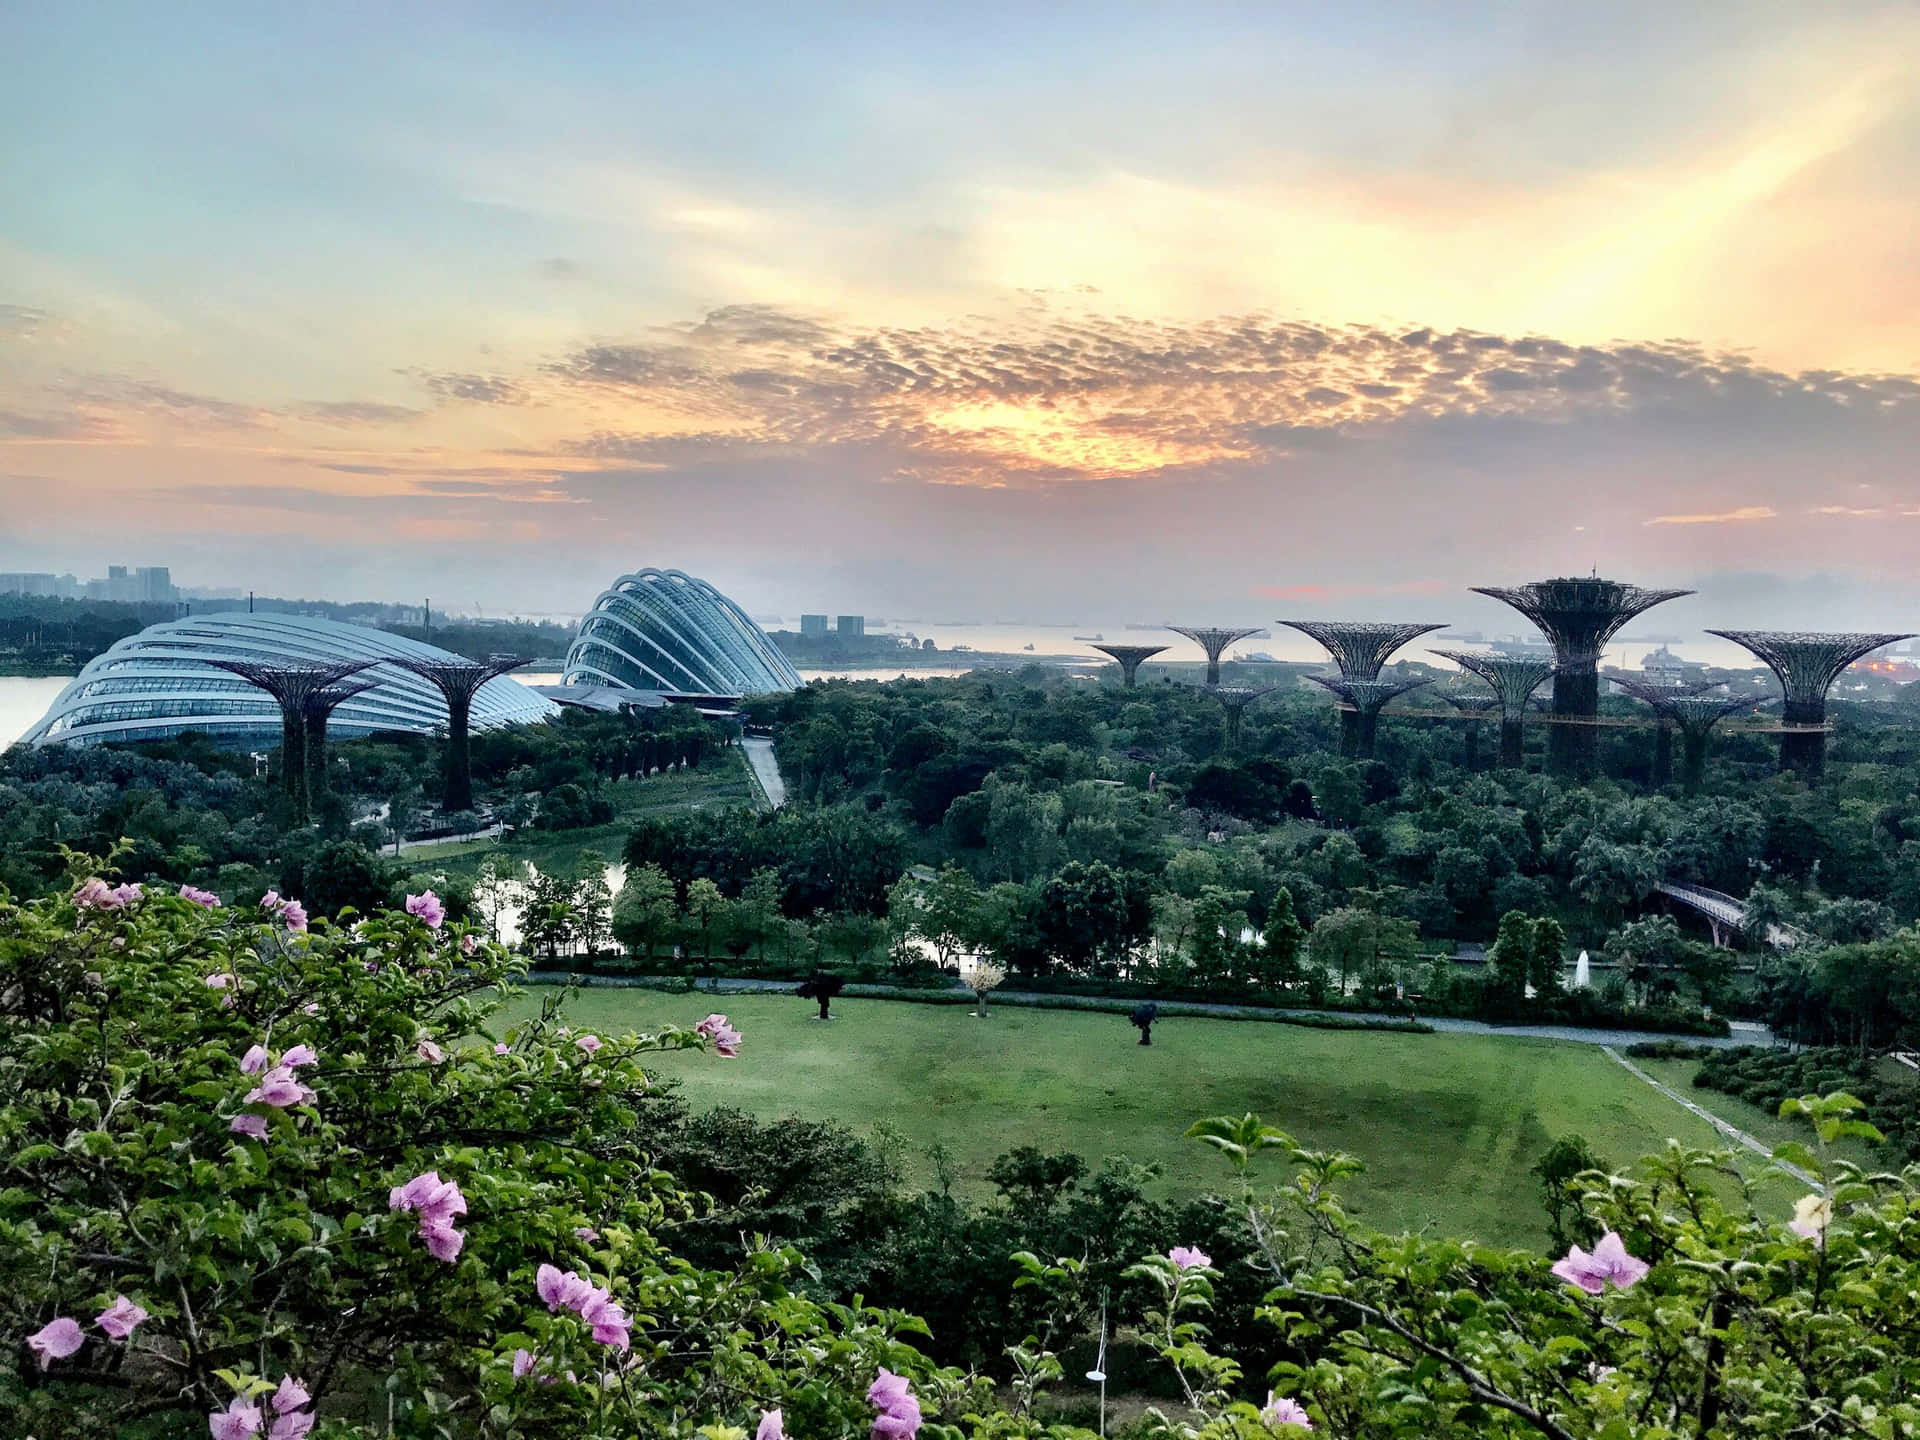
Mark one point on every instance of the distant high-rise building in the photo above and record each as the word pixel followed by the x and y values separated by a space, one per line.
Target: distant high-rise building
pixel 813 627
pixel 38 582
pixel 850 627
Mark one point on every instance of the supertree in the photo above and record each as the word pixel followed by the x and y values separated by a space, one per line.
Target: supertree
pixel 1807 664
pixel 1513 681
pixel 1365 699
pixel 1579 617
pixel 458 681
pixel 1694 716
pixel 1360 647
pixel 291 686
pixel 1214 641
pixel 314 714
pixel 1236 699
pixel 1131 658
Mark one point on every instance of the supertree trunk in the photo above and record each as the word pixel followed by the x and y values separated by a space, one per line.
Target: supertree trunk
pixel 293 761
pixel 1804 752
pixel 1573 745
pixel 458 791
pixel 1513 748
pixel 1662 756
pixel 1693 763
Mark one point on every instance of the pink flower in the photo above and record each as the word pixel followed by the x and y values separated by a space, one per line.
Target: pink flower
pixel 443 1241
pixel 279 1089
pixel 523 1363
pixel 586 1233
pixel 294 1425
pixel 219 982
pixel 254 1061
pixel 899 1417
pixel 427 907
pixel 468 945
pixel 1189 1257
pixel 121 1318
pixel 294 914
pixel 1279 1410
pixel 500 1047
pixel 239 1421
pixel 291 1395
pixel 1609 1264
pixel 124 895
pixel 771 1426
pixel 299 1055
pixel 551 1285
pixel 588 1043
pixel 56 1340
pixel 96 894
pixel 252 1126
pixel 204 898
pixel 726 1039
pixel 435 1199
pixel 610 1323
pixel 312 1007
pixel 429 1052
pixel 271 901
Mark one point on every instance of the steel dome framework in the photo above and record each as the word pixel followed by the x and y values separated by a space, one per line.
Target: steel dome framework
pixel 164 681
pixel 668 631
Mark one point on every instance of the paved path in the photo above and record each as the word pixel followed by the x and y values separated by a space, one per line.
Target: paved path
pixel 1173 1009
pixel 1731 1132
pixel 766 769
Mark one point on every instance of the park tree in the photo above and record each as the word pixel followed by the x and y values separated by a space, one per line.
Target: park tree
pixel 593 905
pixel 1214 952
pixel 1277 961
pixel 549 917
pixel 1511 958
pixel 704 907
pixel 1547 969
pixel 644 911
pixel 1351 942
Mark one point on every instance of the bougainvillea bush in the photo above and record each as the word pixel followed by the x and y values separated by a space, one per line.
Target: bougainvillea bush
pixel 266 1178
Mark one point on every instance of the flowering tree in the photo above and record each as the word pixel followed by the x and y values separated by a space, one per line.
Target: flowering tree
pixel 987 978
pixel 264 1179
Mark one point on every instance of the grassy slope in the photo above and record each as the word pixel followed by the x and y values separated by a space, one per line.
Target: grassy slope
pixel 721 782
pixel 1449 1125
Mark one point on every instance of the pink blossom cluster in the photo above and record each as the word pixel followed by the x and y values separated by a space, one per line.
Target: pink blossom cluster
pixel 437 1202
pixel 1189 1257
pixel 1609 1264
pixel 899 1417
pixel 206 899
pixel 569 1291
pixel 427 907
pixel 1279 1410
pixel 278 1085
pixel 96 894
pixel 719 1030
pixel 589 1043
pixel 62 1337
pixel 242 1418
pixel 772 1426
pixel 291 912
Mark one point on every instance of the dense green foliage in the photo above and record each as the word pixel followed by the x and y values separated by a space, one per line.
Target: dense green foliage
pixel 1768 1077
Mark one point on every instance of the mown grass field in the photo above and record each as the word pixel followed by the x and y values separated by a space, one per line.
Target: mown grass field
pixel 1449 1125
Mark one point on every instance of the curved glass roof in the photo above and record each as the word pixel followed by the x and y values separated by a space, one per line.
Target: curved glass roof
pixel 665 630
pixel 157 684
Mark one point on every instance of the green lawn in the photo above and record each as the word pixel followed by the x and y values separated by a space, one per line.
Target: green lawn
pixel 1448 1125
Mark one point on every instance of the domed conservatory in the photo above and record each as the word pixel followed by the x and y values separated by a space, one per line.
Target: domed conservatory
pixel 161 683
pixel 666 631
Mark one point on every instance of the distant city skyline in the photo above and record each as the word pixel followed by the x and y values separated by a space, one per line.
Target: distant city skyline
pixel 1089 314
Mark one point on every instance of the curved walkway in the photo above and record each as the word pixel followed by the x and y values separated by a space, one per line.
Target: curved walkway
pixel 1730 1131
pixel 1175 1009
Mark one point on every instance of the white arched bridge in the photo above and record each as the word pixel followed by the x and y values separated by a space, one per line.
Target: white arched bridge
pixel 1725 913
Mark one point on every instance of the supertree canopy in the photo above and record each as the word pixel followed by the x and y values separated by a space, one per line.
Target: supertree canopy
pixel 1214 640
pixel 1807 664
pixel 1361 647
pixel 1694 716
pixel 1578 616
pixel 1360 722
pixel 1513 681
pixel 1131 658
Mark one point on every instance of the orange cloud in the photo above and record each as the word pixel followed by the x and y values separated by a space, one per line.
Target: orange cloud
pixel 1724 517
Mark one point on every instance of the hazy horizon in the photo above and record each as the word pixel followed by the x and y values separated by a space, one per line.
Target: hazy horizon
pixel 1089 316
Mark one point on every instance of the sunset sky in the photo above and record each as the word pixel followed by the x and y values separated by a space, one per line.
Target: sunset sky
pixel 1010 312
